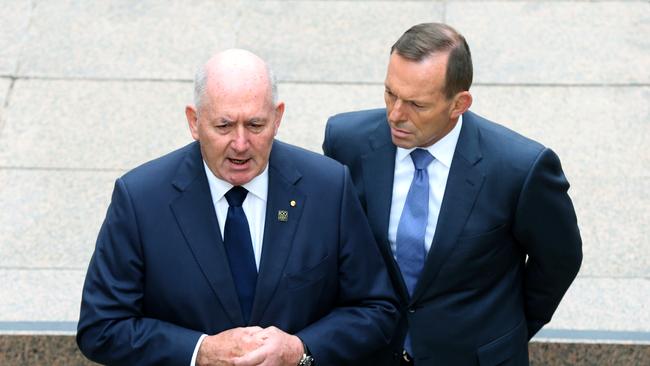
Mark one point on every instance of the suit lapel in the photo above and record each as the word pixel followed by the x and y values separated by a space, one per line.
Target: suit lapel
pixel 463 184
pixel 197 219
pixel 278 234
pixel 378 187
pixel 378 175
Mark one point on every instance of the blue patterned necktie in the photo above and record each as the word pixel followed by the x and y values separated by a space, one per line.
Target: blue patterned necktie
pixel 410 252
pixel 239 249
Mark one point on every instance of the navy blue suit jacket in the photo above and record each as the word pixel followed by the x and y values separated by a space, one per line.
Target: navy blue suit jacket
pixel 159 276
pixel 478 300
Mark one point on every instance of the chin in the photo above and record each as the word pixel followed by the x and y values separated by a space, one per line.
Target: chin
pixel 241 178
pixel 403 143
pixel 239 181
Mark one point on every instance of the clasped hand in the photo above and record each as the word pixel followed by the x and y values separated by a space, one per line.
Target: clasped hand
pixel 250 346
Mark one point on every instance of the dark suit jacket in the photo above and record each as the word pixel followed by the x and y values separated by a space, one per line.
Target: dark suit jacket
pixel 159 276
pixel 478 300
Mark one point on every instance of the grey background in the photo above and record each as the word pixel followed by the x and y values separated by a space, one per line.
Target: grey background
pixel 90 89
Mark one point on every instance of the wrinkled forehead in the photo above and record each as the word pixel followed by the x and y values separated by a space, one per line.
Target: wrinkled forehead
pixel 416 78
pixel 237 101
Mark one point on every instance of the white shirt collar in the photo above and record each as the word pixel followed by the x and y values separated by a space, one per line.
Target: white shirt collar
pixel 443 150
pixel 257 186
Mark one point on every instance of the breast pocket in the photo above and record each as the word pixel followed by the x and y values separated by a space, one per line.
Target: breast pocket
pixel 478 260
pixel 308 276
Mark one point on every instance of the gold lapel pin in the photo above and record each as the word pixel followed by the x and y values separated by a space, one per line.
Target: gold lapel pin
pixel 292 203
pixel 283 216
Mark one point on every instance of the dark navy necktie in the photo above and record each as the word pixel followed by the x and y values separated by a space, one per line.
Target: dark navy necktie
pixel 410 251
pixel 239 248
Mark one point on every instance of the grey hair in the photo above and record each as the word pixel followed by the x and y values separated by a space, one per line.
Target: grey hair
pixel 201 80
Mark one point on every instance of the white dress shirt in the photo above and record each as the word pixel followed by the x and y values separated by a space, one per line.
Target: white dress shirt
pixel 254 207
pixel 438 170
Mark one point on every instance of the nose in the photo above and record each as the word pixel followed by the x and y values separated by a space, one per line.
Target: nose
pixel 396 112
pixel 240 142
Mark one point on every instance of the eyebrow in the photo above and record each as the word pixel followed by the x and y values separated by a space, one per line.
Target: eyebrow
pixel 224 120
pixel 406 100
pixel 252 120
pixel 256 120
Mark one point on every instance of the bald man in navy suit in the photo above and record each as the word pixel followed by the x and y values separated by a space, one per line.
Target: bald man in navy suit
pixel 236 249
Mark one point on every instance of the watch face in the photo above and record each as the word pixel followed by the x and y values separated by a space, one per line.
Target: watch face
pixel 306 361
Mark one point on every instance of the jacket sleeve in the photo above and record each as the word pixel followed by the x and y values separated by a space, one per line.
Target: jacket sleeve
pixel 112 328
pixel 365 315
pixel 545 225
pixel 328 149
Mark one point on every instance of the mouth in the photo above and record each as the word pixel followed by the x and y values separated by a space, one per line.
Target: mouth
pixel 239 162
pixel 398 132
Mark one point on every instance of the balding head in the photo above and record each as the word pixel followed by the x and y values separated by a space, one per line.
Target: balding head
pixel 235 117
pixel 233 67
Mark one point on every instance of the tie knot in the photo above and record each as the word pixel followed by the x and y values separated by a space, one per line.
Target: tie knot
pixel 236 196
pixel 421 158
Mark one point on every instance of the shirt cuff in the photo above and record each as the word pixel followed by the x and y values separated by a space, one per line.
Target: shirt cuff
pixel 196 349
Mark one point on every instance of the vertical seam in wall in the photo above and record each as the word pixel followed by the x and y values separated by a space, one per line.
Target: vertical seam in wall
pixel 5 107
pixel 14 77
pixel 9 90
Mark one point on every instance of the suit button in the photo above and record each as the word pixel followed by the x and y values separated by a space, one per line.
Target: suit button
pixel 411 310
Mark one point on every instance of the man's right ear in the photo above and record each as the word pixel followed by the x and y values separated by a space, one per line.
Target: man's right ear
pixel 192 121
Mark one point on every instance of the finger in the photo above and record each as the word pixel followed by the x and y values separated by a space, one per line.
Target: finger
pixel 259 337
pixel 270 331
pixel 254 328
pixel 250 344
pixel 255 357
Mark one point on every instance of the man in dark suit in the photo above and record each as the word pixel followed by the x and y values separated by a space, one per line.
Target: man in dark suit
pixel 473 219
pixel 297 276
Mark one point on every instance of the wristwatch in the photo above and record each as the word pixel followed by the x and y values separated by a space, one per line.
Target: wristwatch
pixel 306 359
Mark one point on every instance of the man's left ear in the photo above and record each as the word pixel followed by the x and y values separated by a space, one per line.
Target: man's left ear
pixel 462 102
